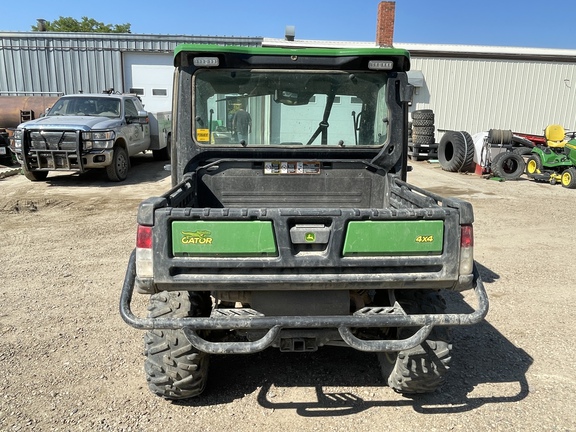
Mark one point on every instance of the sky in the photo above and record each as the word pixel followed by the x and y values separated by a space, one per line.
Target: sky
pixel 515 23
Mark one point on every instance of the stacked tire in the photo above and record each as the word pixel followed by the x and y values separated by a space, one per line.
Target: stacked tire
pixel 422 145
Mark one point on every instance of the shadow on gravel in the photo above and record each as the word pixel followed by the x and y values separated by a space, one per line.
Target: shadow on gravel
pixel 142 168
pixel 486 369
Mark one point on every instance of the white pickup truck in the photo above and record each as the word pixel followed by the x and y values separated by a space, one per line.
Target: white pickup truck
pixel 82 132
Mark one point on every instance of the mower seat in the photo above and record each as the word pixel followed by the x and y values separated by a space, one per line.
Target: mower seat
pixel 555 136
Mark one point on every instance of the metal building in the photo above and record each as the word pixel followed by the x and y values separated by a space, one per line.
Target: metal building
pixel 477 88
pixel 471 88
pixel 35 63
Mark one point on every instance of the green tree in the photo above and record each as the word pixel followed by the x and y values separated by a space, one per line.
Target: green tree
pixel 69 24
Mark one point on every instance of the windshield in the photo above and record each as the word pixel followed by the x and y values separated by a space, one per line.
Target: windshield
pixel 270 107
pixel 86 106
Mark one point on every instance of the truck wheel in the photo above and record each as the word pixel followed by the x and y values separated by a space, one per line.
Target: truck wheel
pixel 508 165
pixel 118 169
pixel 456 152
pixel 568 178
pixel 534 165
pixel 174 368
pixel 421 369
pixel 34 175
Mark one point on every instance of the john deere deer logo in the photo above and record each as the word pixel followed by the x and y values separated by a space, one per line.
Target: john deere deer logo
pixel 196 237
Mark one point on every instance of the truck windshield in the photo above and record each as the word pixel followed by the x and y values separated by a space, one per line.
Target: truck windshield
pixel 271 107
pixel 86 106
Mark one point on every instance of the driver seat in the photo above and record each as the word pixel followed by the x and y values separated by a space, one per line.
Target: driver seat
pixel 555 136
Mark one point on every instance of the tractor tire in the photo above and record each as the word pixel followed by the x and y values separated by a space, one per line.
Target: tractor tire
pixel 421 369
pixel 533 165
pixel 456 152
pixel 174 368
pixel 568 178
pixel 508 165
pixel 118 170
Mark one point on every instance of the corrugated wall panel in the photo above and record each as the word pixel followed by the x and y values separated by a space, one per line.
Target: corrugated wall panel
pixel 33 62
pixel 479 94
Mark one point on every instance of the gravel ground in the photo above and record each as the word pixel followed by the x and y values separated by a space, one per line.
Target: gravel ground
pixel 69 363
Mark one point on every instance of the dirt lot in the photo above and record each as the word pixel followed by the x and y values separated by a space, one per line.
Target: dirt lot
pixel 68 361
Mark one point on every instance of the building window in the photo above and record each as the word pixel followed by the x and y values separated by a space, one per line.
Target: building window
pixel 159 92
pixel 137 91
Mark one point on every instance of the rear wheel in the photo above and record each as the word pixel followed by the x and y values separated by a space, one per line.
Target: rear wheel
pixel 421 369
pixel 174 368
pixel 568 178
pixel 164 153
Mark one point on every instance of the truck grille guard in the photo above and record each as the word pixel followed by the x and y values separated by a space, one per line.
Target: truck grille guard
pixel 393 316
pixel 53 150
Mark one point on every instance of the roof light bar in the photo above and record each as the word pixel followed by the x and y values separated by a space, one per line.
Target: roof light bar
pixel 380 64
pixel 206 62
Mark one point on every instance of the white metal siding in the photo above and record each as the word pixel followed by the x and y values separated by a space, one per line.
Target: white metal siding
pixel 480 94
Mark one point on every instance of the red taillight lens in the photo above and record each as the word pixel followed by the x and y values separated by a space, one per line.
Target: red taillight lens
pixel 144 237
pixel 466 236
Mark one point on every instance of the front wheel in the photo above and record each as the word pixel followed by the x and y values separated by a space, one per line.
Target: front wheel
pixel 118 169
pixel 34 175
pixel 568 178
pixel 534 165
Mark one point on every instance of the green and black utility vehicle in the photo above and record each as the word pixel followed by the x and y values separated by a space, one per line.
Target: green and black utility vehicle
pixel 290 223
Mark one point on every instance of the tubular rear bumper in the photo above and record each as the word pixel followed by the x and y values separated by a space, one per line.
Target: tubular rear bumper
pixel 393 316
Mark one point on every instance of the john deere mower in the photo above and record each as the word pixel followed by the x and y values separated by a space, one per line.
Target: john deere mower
pixel 554 162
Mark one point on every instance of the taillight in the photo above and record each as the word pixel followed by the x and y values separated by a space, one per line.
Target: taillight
pixel 466 236
pixel 144 257
pixel 466 249
pixel 144 237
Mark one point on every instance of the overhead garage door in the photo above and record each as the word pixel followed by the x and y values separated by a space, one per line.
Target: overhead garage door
pixel 150 76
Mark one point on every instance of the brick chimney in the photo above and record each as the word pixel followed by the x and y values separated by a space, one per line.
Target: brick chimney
pixel 385 24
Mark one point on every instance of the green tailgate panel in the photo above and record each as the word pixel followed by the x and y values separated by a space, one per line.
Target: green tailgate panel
pixel 223 238
pixel 394 237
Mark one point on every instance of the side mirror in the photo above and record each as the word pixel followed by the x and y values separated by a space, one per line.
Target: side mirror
pixel 141 118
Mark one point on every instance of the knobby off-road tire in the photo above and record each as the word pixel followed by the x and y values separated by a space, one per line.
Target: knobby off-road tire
pixel 508 165
pixel 425 114
pixel 421 369
pixel 174 368
pixel 423 139
pixel 456 152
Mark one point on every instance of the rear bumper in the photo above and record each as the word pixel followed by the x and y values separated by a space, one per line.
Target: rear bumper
pixel 378 317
